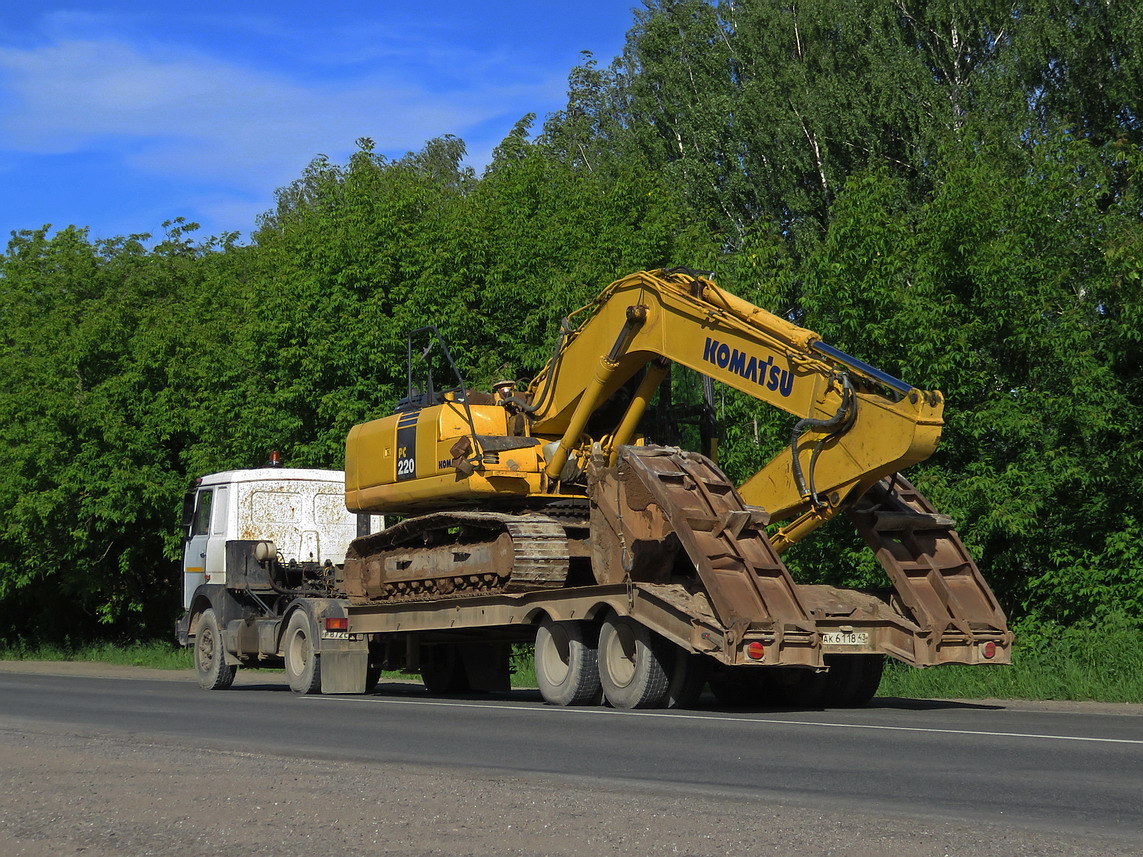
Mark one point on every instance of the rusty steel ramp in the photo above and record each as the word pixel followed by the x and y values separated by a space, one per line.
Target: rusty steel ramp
pixel 939 587
pixel 662 514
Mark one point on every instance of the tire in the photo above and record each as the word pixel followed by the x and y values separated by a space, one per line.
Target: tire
pixel 689 674
pixel 866 687
pixel 443 672
pixel 210 656
pixel 567 665
pixel 796 687
pixel 852 680
pixel 372 677
pixel 742 687
pixel 632 664
pixel 303 664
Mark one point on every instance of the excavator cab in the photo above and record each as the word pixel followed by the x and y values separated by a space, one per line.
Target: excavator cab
pixel 444 443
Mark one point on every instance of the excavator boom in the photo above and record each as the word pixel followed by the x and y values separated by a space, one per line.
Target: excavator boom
pixel 858 424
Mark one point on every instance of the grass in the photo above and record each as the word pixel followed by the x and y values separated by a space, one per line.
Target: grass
pixel 1100 660
pixel 1097 661
pixel 154 654
pixel 523 665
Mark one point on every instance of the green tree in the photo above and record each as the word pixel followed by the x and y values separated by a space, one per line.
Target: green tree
pixel 97 437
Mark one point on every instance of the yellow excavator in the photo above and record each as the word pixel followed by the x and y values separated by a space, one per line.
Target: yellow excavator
pixel 552 487
pixel 857 424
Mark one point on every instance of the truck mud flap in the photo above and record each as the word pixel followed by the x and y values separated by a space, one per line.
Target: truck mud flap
pixel 343 671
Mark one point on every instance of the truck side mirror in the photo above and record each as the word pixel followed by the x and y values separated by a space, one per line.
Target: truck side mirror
pixel 188 510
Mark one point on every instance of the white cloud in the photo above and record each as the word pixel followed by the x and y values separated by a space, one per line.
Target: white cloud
pixel 184 113
pixel 204 110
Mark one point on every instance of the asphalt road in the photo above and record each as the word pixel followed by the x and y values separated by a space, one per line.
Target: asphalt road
pixel 1074 774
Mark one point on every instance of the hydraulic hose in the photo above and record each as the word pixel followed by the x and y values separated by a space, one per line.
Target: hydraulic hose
pixel 839 423
pixel 549 386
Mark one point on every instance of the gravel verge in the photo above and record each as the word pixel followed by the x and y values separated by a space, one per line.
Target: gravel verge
pixel 101 795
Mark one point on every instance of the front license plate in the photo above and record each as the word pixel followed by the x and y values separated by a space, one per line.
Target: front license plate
pixel 845 638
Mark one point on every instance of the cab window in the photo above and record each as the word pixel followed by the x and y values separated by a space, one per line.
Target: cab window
pixel 201 525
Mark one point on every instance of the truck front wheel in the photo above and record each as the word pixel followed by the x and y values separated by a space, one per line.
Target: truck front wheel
pixel 209 655
pixel 303 664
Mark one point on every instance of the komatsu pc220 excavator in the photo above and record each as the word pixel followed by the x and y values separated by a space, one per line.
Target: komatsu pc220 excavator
pixel 545 506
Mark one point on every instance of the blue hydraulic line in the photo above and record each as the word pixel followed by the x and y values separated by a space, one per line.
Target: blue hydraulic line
pixel 863 367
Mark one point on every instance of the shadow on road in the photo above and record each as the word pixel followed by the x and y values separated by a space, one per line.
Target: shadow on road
pixel 907 704
pixel 414 690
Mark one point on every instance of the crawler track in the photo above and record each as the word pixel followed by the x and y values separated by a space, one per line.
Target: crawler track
pixel 455 554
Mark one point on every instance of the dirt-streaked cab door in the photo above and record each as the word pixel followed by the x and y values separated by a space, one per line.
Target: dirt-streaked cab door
pixel 194 552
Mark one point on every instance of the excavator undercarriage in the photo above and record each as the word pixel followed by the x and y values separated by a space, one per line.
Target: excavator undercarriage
pixel 457 554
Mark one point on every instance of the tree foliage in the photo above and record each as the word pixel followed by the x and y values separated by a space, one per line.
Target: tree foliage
pixel 949 189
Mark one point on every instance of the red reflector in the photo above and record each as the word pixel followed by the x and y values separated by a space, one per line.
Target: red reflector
pixel 336 623
pixel 756 651
pixel 989 650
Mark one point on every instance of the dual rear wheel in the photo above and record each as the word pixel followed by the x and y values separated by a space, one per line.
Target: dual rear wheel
pixel 630 666
pixel 566 660
pixel 303 664
pixel 623 663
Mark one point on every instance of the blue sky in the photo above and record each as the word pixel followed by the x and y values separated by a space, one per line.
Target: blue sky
pixel 120 115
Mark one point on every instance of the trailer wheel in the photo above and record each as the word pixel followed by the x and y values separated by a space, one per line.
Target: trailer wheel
pixel 209 655
pixel 567 666
pixel 796 687
pixel 632 664
pixel 852 679
pixel 689 674
pixel 442 670
pixel 372 677
pixel 303 664
pixel 741 687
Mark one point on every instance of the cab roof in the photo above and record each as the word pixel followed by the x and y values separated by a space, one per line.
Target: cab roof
pixel 273 474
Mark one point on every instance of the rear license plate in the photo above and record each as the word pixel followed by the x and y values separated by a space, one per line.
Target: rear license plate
pixel 339 635
pixel 845 638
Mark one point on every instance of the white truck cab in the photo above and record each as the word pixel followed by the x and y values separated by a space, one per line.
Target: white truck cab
pixel 302 511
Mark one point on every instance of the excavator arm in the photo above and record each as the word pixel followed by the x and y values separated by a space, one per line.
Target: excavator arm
pixel 856 424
